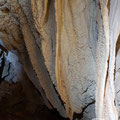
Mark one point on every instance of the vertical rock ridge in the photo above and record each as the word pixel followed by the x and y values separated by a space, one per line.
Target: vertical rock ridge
pixel 38 64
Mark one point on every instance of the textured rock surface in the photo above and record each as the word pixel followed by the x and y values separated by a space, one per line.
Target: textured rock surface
pixel 76 75
pixel 105 99
pixel 19 99
pixel 117 81
pixel 68 50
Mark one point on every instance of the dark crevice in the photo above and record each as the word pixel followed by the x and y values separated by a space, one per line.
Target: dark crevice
pixel 106 75
pixel 108 6
pixel 47 12
pixel 118 44
pixel 2 67
pixel 115 71
pixel 62 102
pixel 3 53
pixel 5 10
pixel 55 112
pixel 4 49
pixel 80 115
pixel 99 5
pixel 8 71
pixel 116 52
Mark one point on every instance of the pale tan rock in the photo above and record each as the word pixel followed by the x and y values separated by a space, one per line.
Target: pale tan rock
pixel 75 53
pixel 105 99
pixel 67 46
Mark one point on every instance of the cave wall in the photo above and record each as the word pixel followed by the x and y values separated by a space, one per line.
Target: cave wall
pixel 67 49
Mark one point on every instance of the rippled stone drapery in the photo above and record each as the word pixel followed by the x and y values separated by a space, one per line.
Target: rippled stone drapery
pixel 67 48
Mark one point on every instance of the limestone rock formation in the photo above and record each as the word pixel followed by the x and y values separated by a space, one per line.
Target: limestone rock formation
pixel 69 50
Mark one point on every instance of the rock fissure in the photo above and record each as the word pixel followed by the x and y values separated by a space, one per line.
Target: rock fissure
pixel 80 115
